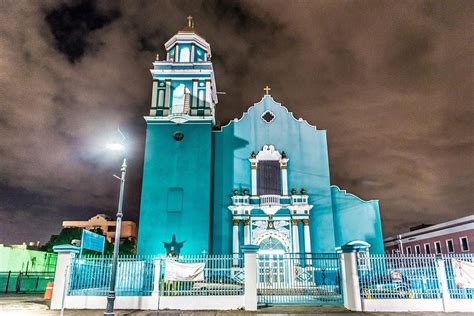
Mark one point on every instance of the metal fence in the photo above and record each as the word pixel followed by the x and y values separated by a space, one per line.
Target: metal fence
pixel 407 276
pixel 90 275
pixel 299 279
pixel 24 282
pixel 223 275
pixel 455 290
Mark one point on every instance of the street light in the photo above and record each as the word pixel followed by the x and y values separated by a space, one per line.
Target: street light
pixel 116 147
pixel 111 293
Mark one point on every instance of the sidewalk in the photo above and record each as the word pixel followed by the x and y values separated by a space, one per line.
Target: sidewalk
pixel 32 305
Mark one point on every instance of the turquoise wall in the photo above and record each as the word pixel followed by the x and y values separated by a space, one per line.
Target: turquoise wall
pixel 355 219
pixel 176 187
pixel 185 194
pixel 308 168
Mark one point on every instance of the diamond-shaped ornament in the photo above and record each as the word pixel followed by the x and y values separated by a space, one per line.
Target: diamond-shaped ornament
pixel 268 116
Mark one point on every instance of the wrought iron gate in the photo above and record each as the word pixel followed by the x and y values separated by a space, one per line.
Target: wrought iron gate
pixel 312 279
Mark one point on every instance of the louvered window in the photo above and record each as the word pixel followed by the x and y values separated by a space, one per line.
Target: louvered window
pixel 268 177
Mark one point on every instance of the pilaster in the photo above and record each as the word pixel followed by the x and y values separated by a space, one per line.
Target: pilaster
pixel 246 231
pixel 307 241
pixel 253 166
pixel 235 236
pixel 153 97
pixel 284 176
pixel 295 235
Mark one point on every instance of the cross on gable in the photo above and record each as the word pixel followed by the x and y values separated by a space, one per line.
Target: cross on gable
pixel 267 89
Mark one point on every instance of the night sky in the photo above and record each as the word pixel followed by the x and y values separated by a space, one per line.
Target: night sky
pixel 390 81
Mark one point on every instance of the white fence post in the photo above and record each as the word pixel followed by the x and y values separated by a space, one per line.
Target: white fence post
pixel 156 283
pixel 65 253
pixel 350 278
pixel 250 270
pixel 443 284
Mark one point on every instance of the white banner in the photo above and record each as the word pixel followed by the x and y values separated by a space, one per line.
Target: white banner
pixel 176 271
pixel 463 273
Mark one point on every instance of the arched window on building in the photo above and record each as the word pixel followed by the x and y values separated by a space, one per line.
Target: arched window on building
pixel 272 245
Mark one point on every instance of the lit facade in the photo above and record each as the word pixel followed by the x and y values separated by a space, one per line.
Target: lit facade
pixel 262 179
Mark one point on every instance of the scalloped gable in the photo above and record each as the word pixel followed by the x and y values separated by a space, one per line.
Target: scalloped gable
pixel 350 195
pixel 268 103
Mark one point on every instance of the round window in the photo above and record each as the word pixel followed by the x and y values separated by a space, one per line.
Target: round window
pixel 178 136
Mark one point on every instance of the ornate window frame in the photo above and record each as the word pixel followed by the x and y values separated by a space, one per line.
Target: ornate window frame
pixel 268 152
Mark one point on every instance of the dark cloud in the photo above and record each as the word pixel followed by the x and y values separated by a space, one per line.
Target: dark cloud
pixel 390 81
pixel 70 24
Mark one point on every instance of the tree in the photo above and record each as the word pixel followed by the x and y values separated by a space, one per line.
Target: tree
pixel 68 234
pixel 64 237
pixel 127 247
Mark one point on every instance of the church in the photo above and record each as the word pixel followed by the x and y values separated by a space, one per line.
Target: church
pixel 262 179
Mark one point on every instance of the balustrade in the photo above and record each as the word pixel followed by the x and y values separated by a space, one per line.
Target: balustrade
pixel 270 199
pixel 299 199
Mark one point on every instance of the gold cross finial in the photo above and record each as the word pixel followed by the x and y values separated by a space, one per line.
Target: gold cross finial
pixel 267 89
pixel 190 21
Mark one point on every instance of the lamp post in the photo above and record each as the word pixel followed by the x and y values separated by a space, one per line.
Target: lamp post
pixel 400 244
pixel 111 293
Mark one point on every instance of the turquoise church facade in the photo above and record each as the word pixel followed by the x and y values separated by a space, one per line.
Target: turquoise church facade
pixel 262 179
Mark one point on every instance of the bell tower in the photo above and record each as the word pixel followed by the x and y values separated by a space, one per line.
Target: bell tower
pixel 184 88
pixel 177 167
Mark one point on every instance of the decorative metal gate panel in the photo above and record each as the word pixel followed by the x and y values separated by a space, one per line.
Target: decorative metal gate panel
pixel 312 279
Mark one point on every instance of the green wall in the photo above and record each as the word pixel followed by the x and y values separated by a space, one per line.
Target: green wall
pixel 17 259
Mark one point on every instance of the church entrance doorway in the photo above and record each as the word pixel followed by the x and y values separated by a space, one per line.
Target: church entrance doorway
pixel 272 269
pixel 286 278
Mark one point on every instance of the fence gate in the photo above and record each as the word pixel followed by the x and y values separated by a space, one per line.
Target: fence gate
pixel 312 279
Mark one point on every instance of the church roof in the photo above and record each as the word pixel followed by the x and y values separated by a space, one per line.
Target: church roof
pixel 188 34
pixel 268 105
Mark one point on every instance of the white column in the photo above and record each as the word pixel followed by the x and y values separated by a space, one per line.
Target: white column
pixel 284 176
pixel 443 283
pixel 295 236
pixel 350 282
pixel 208 103
pixel 250 279
pixel 156 284
pixel 168 95
pixel 235 241
pixel 246 232
pixel 153 97
pixel 195 93
pixel 65 254
pixel 307 240
pixel 253 164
